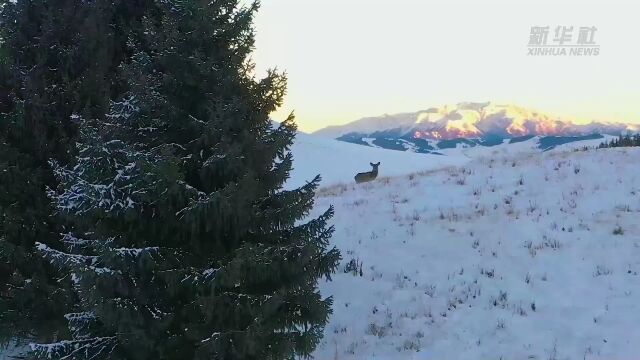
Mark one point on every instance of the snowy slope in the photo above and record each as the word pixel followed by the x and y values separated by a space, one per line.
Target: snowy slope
pixel 338 161
pixel 530 146
pixel 511 256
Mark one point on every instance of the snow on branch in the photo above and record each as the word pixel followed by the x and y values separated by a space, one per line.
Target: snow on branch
pixel 133 253
pixel 110 179
pixel 136 251
pixel 201 201
pixel 72 241
pixel 79 323
pixel 89 349
pixel 87 315
pixel 60 258
pixel 124 109
pixel 76 244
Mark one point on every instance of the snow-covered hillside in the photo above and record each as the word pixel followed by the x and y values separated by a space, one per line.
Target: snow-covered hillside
pixel 526 256
pixel 339 161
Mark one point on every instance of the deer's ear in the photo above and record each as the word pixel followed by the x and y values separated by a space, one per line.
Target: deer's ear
pixel 371 164
pixel 378 164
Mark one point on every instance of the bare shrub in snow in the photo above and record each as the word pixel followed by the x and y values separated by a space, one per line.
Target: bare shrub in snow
pixel 358 202
pixel 430 290
pixel 354 267
pixel 618 230
pixel 333 191
pixel 602 270
pixel 412 345
pixel 376 330
pixel 623 208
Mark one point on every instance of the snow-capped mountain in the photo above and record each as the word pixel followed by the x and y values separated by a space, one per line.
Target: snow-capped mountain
pixel 466 123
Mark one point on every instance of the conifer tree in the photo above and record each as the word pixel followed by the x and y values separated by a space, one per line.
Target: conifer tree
pixel 57 58
pixel 4 74
pixel 183 243
pixel 622 141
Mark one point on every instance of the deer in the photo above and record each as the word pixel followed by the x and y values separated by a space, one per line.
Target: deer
pixel 368 176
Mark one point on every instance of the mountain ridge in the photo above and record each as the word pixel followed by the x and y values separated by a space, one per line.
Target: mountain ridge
pixel 473 120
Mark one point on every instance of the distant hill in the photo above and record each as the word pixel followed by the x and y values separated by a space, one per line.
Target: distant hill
pixel 468 124
pixel 338 161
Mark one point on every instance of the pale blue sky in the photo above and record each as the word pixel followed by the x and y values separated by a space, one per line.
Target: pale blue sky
pixel 348 59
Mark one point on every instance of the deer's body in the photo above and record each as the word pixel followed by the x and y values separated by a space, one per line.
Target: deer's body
pixel 367 176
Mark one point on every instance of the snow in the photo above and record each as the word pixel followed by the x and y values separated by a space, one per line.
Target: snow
pixel 512 255
pixel 403 121
pixel 90 348
pixel 369 141
pixel 468 119
pixel 528 147
pixel 409 146
pixel 61 258
pixel 134 252
pixel 479 253
pixel 87 315
pixel 339 161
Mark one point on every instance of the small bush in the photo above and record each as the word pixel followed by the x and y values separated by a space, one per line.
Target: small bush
pixel 354 267
pixel 602 270
pixel 618 230
pixel 410 345
pixel 375 330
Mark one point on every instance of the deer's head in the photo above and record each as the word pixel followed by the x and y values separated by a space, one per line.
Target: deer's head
pixel 375 166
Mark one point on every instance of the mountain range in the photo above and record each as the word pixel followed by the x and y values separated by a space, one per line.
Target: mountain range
pixel 468 124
